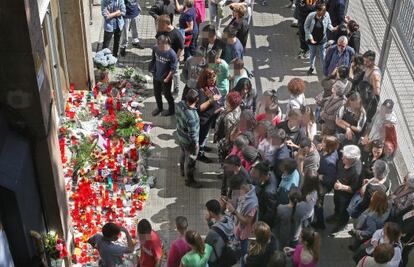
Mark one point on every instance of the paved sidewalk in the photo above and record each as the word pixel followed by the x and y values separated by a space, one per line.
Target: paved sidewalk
pixel 271 55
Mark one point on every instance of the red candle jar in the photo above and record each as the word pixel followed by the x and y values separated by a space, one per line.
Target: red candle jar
pixel 95 91
pixel 134 154
pixel 109 103
pixel 119 204
pixel 133 233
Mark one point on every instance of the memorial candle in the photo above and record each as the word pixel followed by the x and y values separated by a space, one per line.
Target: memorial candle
pixel 108 147
pixel 95 91
pixel 121 146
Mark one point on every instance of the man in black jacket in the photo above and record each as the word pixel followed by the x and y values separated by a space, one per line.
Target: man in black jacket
pixel 210 40
pixel 348 183
pixel 266 186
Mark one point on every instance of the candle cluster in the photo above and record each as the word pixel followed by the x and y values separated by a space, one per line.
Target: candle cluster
pixel 103 143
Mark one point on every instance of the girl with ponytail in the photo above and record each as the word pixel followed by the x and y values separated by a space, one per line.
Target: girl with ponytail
pixel 306 254
pixel 200 252
pixel 289 218
pixel 262 247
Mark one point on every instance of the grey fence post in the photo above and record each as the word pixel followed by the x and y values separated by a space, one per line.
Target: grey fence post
pixel 386 42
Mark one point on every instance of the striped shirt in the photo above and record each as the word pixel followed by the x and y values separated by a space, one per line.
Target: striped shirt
pixel 188 124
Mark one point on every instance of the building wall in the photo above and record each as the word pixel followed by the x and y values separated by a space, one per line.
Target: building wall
pixel 26 95
pixel 75 25
pixel 20 204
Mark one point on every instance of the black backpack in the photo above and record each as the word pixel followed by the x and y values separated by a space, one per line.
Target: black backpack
pixel 231 252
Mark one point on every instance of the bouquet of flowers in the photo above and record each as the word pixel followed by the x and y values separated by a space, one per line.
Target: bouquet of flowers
pixel 109 125
pixel 55 247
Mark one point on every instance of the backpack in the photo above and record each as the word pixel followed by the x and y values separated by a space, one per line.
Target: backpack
pixel 232 251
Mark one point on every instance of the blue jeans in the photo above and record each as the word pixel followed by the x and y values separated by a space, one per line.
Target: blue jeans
pixel 214 16
pixel 317 48
pixel 244 246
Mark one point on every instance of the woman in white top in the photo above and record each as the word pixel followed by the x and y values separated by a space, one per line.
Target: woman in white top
pixel 296 88
pixel 382 256
pixel 308 122
pixel 390 234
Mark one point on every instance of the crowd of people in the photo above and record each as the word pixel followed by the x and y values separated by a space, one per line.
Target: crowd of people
pixel 278 162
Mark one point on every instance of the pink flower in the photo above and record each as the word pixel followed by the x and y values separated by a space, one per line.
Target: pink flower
pixel 59 247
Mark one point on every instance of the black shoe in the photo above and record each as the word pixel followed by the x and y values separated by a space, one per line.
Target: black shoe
pixel 318 225
pixel 204 159
pixel 352 248
pixel 166 113
pixel 138 45
pixel 207 149
pixel 156 111
pixel 310 71
pixel 123 51
pixel 193 184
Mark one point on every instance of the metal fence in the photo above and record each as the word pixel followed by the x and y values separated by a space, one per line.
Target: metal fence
pixel 405 24
pixel 397 61
pixel 387 27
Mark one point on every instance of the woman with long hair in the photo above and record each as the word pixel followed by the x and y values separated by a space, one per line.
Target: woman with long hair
pixel 289 218
pixel 200 252
pixel 350 120
pixel 306 254
pixel 328 171
pixel 390 143
pixel 354 35
pixel 262 248
pixel 308 122
pixel 368 158
pixel 356 72
pixel 248 93
pixel 390 234
pixel 371 219
pixel 208 106
pixel 310 189
pixel 227 122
